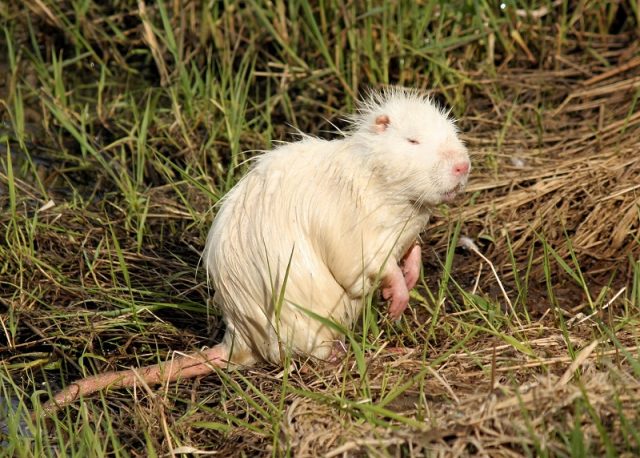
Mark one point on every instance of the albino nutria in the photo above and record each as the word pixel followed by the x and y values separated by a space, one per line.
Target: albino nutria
pixel 311 229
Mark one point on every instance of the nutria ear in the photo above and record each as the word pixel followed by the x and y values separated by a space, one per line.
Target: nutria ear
pixel 382 122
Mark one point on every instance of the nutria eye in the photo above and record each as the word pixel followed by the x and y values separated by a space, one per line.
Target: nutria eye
pixel 413 141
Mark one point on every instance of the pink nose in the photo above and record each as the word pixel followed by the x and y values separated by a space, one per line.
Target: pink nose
pixel 461 168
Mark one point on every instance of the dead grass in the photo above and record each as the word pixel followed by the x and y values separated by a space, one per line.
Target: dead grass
pixel 133 122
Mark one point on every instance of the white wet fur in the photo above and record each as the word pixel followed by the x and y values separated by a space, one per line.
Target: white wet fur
pixel 335 214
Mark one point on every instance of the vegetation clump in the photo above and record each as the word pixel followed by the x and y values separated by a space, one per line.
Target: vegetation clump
pixel 123 123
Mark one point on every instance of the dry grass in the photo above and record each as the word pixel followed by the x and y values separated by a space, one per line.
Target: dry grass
pixel 132 122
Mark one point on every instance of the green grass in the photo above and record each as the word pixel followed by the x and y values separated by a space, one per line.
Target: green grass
pixel 121 129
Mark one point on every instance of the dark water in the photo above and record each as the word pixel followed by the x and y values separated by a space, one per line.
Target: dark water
pixel 9 409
